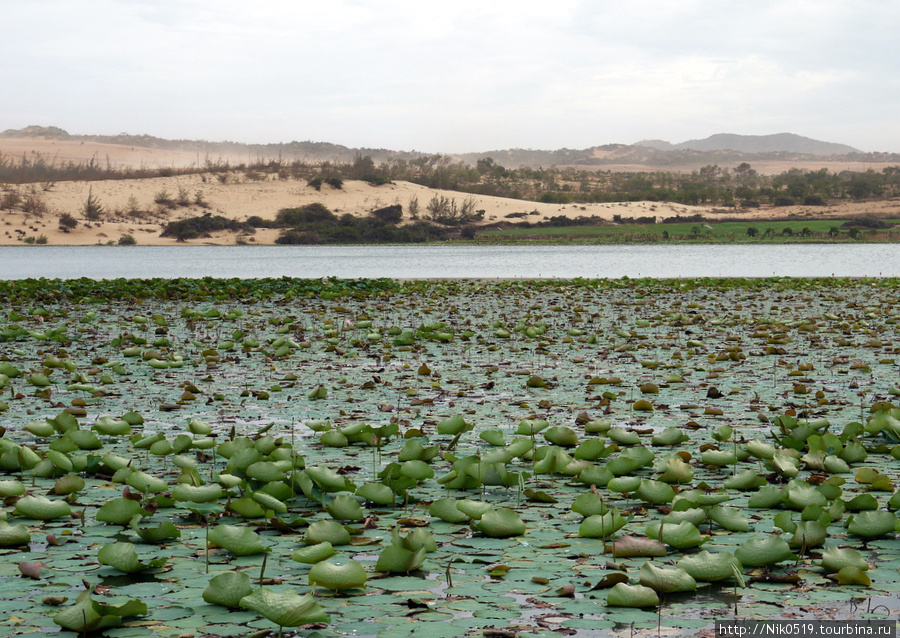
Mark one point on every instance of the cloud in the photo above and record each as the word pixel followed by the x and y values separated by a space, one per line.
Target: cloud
pixel 458 76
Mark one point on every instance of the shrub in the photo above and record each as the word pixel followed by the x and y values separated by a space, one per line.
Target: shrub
pixel 315 182
pixel 164 198
pixel 42 239
pixel 814 200
pixel 184 197
pixel 194 227
pixel 92 208
pixel 127 240
pixel 305 215
pixel 10 199
pixel 67 222
pixel 335 182
pixel 298 237
pixel 376 180
pixel 389 214
pixel 783 201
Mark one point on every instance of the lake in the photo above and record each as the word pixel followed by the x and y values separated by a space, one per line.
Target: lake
pixel 452 261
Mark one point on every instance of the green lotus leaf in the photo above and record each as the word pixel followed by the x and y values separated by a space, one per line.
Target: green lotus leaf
pixel 624 484
pixel 808 534
pixel 447 510
pixel 197 494
pixel 154 534
pixel 862 502
pixel 871 523
pixel 265 471
pixel 492 437
pixel 681 536
pixel 745 480
pixel 11 487
pixel 499 523
pixel 597 426
pixel 589 504
pixel 237 540
pixel 799 494
pixel 338 577
pixel 456 424
pixel 786 466
pixel 561 435
pixel 416 470
pixel 760 449
pixel 13 535
pixel 40 429
pixel 711 567
pixel 666 581
pixel 196 426
pixel 851 575
pixel 695 515
pixel 377 493
pixel 68 484
pixel 227 589
pixel 285 609
pixel 834 559
pixel 623 436
pixel 473 509
pixel 670 436
pixel 622 595
pixel 146 483
pixel 119 511
pixel 269 502
pixel 718 457
pixel 344 507
pixel 123 557
pixel 112 427
pixel 766 497
pixel 89 615
pixel 654 492
pixel 590 450
pixel 602 525
pixel 676 471
pixel 399 560
pixel 730 518
pixel 636 546
pixel 313 553
pixel 329 480
pixel 327 531
pixel 42 508
pixel 760 552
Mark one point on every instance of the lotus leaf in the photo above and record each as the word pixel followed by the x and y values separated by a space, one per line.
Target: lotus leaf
pixel 327 531
pixel 623 436
pixel 602 525
pixel 871 523
pixel 447 510
pixel 269 502
pixel 835 559
pixel 338 577
pixel 711 567
pixel 399 560
pixel 760 552
pixel 454 425
pixel 227 589
pixel 665 581
pixel 123 557
pixel 654 492
pixel 42 508
pixel 89 615
pixel 677 471
pixel 622 595
pixel 589 504
pixel 197 494
pixel 313 553
pixel 11 487
pixel 13 535
pixel 237 540
pixel 635 546
pixel 561 435
pixel 808 534
pixel 344 507
pixel 670 436
pixel 729 518
pixel 500 523
pixel 285 609
pixel 852 575
pixel 681 536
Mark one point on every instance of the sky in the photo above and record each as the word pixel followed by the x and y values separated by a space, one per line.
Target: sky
pixel 451 77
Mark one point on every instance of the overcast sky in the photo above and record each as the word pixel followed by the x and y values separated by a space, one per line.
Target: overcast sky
pixel 466 75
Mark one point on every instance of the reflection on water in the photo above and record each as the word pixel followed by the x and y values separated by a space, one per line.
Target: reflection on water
pixel 430 262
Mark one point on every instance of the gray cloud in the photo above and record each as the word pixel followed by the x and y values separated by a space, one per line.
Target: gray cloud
pixel 458 76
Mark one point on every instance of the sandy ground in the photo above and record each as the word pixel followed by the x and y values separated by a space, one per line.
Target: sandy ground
pixel 130 209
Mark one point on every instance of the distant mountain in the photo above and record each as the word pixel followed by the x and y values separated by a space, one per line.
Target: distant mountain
pixel 778 143
pixel 719 149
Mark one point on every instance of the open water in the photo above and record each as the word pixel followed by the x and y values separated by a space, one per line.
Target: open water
pixel 428 262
